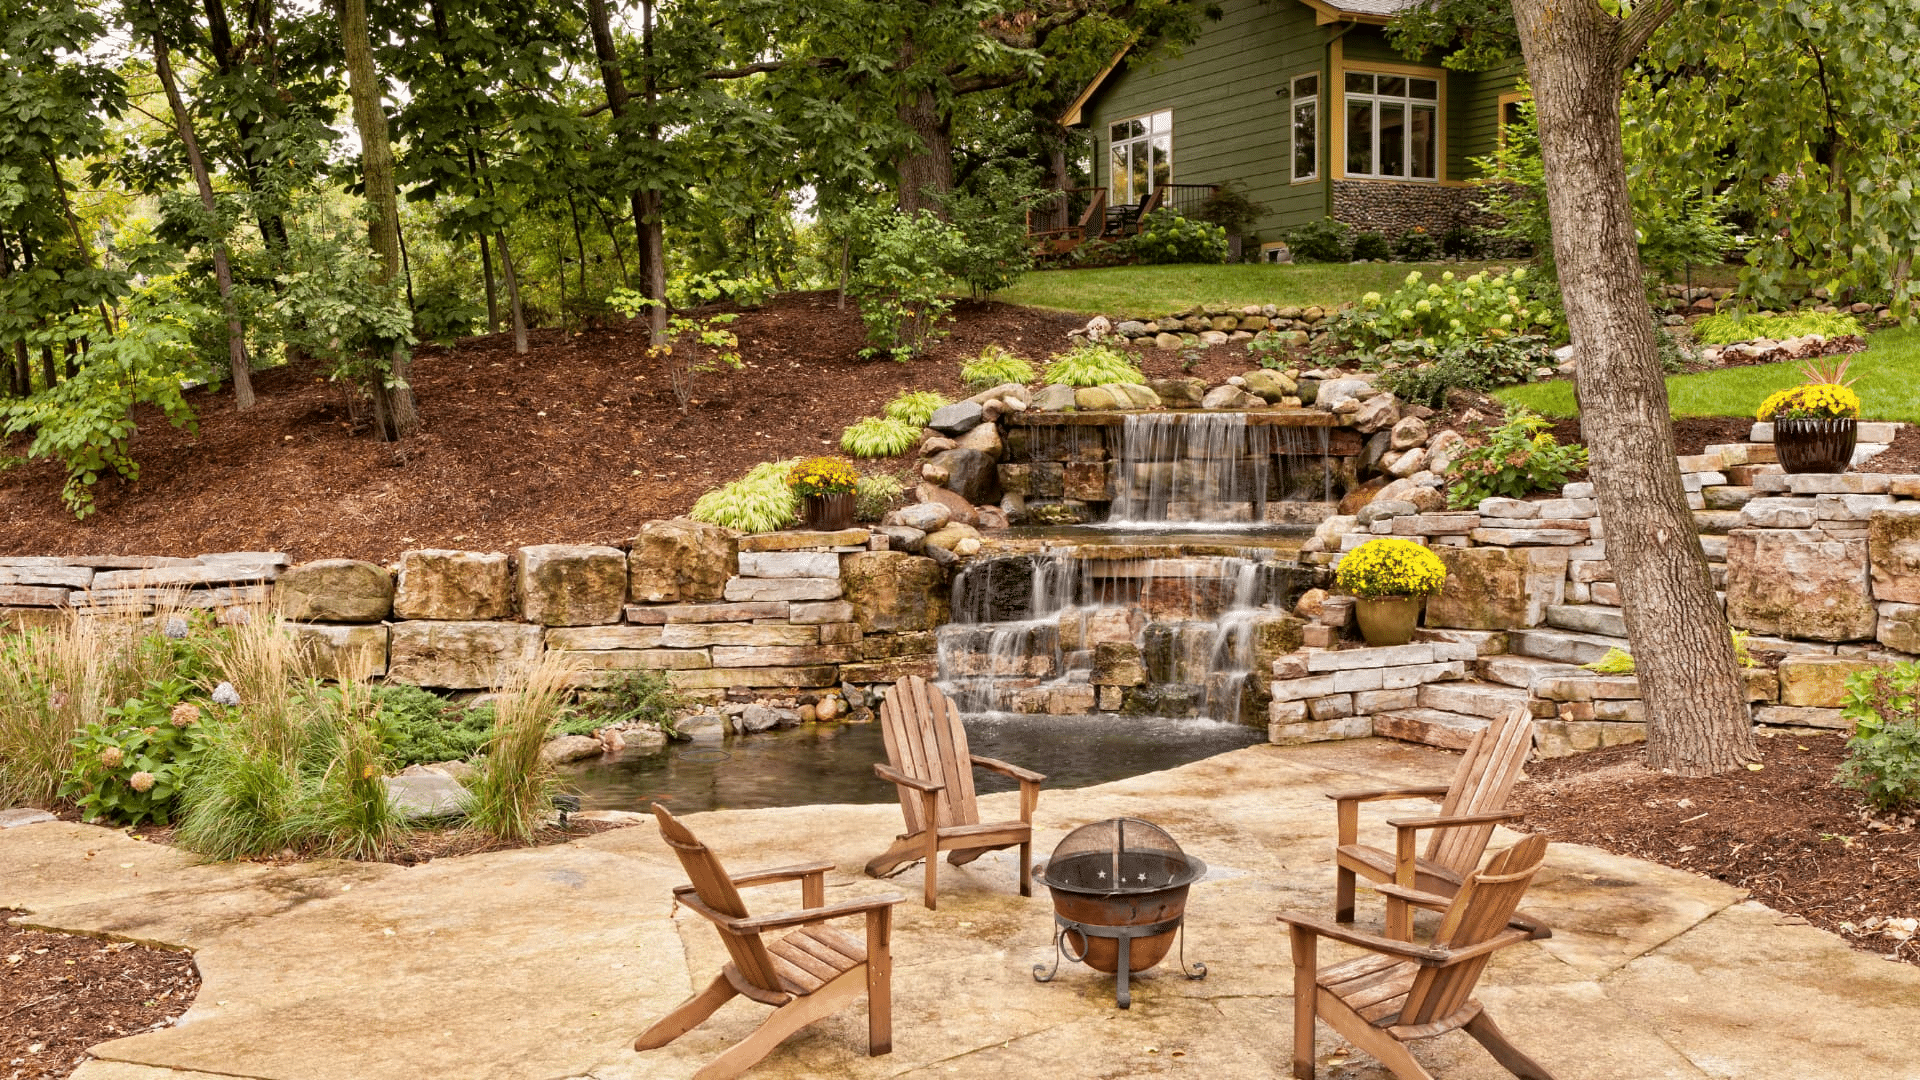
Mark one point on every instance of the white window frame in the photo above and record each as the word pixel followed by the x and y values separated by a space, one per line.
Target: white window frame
pixel 1293 115
pixel 1408 104
pixel 1158 123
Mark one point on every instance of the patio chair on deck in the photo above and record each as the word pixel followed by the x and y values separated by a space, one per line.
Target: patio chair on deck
pixel 1403 990
pixel 806 975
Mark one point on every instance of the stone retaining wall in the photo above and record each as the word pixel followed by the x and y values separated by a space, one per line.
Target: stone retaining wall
pixel 1392 208
pixel 718 612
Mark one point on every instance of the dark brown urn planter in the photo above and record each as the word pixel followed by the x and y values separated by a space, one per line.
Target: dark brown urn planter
pixel 1815 444
pixel 830 513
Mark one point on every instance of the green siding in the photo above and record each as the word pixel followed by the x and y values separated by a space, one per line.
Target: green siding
pixel 1229 123
pixel 1473 114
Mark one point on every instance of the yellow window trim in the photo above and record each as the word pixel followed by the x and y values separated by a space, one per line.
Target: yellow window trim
pixel 1320 107
pixel 1500 112
pixel 1337 98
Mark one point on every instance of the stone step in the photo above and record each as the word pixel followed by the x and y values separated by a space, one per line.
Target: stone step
pixel 1588 619
pixel 1429 727
pixel 1563 646
pixel 1492 701
pixel 1520 671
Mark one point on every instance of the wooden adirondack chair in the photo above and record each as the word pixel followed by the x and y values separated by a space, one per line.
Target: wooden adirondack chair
pixel 1406 991
pixel 928 762
pixel 1471 806
pixel 806 975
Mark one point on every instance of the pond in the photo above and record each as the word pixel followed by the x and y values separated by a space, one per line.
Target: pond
pixel 833 763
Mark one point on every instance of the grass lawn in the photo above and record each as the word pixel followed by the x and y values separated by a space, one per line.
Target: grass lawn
pixel 1886 376
pixel 1151 291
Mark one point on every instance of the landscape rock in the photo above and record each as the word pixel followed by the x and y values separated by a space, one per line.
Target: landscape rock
pixel 1800 584
pixel 1230 397
pixel 1492 588
pixel 949 538
pixel 956 419
pixel 572 584
pixel 971 475
pixel 459 655
pixel 755 719
pixel 1893 540
pixel 1054 398
pixel 338 652
pixel 1818 681
pixel 1409 462
pixel 1093 399
pixel 985 439
pixel 570 748
pixel 959 510
pixel 335 591
pixel 453 585
pixel 923 517
pixel 1270 386
pixel 904 537
pixel 1336 392
pixel 680 561
pixel 1411 431
pixel 1179 393
pixel 1377 412
pixel 426 795
pixel 892 591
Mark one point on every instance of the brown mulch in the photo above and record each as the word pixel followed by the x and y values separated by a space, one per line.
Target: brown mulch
pixel 1797 841
pixel 61 993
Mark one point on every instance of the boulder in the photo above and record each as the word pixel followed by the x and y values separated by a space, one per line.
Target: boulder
pixel 949 538
pixel 904 538
pixel 1179 393
pixel 985 439
pixel 1142 396
pixel 934 444
pixel 1426 498
pixel 570 748
pixel 956 419
pixel 1493 588
pixel 755 719
pixel 1093 399
pixel 1118 663
pixel 453 585
pixel 892 591
pixel 572 584
pixel 1799 584
pixel 923 517
pixel 1270 386
pixel 1410 432
pixel 681 561
pixel 971 475
pixel 340 652
pixel 1377 412
pixel 335 591
pixel 460 655
pixel 1381 509
pixel 959 510
pixel 1409 462
pixel 1167 341
pixel 1055 398
pixel 1230 397
pixel 1333 392
pixel 1818 681
pixel 1122 399
pixel 1893 544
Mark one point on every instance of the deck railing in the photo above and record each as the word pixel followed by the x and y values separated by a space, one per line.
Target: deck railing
pixel 1065 218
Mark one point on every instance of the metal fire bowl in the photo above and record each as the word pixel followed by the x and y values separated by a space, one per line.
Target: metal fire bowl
pixel 1120 930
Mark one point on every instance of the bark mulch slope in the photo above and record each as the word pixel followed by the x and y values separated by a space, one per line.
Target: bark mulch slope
pixel 1786 832
pixel 60 994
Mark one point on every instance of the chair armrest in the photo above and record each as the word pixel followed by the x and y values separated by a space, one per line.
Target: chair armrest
pixel 1430 901
pixel 1388 793
pixel 1510 936
pixel 781 873
pixel 1025 776
pixel 1456 821
pixel 1409 950
pixel 888 772
pixel 760 924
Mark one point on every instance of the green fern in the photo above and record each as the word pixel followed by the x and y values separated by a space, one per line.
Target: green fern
pixel 1616 662
pixel 760 501
pixel 994 367
pixel 1093 365
pixel 915 407
pixel 879 436
pixel 1735 326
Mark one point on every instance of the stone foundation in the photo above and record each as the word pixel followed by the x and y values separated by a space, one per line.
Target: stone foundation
pixel 1393 209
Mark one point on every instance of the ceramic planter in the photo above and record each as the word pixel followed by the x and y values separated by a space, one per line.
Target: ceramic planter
pixel 1815 444
pixel 830 513
pixel 1389 620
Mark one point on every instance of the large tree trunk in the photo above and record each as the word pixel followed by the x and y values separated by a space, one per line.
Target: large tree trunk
pixel 400 417
pixel 646 217
pixel 1697 717
pixel 222 272
pixel 926 172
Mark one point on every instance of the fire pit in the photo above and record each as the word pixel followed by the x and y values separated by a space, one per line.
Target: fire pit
pixel 1119 895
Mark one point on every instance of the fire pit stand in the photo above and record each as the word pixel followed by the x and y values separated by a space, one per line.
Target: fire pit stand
pixel 1119 896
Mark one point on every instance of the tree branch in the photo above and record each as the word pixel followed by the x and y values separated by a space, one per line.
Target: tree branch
pixel 1638 29
pixel 773 65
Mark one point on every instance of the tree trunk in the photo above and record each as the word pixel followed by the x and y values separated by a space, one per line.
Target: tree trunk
pixel 402 416
pixel 513 293
pixel 926 172
pixel 1698 722
pixel 273 227
pixel 493 300
pixel 223 273
pixel 19 375
pixel 646 206
pixel 617 98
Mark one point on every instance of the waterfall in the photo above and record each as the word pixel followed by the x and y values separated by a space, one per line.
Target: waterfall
pixel 1191 468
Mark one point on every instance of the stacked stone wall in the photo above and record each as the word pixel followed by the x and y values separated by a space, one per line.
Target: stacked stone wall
pixel 1392 209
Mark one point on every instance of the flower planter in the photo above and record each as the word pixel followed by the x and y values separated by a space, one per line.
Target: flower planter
pixel 830 513
pixel 1389 620
pixel 1815 444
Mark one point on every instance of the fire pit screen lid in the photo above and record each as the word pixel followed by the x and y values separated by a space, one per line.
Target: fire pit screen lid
pixel 1120 855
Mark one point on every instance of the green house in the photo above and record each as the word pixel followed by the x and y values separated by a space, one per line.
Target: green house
pixel 1309 110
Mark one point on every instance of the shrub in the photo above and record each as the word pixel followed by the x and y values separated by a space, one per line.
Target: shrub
pixel 1519 457
pixel 822 476
pixel 1092 364
pixel 442 312
pixel 879 436
pixel 903 282
pixel 1415 245
pixel 1369 246
pixel 1725 329
pixel 512 794
pixel 991 216
pixel 1458 243
pixel 1452 310
pixel 1231 209
pixel 635 697
pixel 417 727
pixel 915 407
pixel 690 347
pixel 1325 240
pixel 876 495
pixel 1390 567
pixel 757 502
pixel 1883 754
pixel 1166 237
pixel 1270 350
pixel 995 366
pixel 128 768
pixel 1475 365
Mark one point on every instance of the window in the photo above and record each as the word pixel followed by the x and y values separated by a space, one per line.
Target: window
pixel 1140 156
pixel 1511 113
pixel 1306 127
pixel 1393 126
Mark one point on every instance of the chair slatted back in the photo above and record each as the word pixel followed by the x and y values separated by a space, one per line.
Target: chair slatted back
pixel 926 741
pixel 1485 903
pixel 1485 779
pixel 715 889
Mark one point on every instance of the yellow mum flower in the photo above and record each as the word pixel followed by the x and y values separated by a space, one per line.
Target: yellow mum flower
pixel 1391 566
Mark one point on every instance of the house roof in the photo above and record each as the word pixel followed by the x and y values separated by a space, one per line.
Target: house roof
pixel 1372 7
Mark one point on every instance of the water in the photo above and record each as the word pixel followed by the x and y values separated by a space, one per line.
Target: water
pixel 833 763
pixel 1214 470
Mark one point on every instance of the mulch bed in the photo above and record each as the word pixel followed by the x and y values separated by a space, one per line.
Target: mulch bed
pixel 1788 834
pixel 61 993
